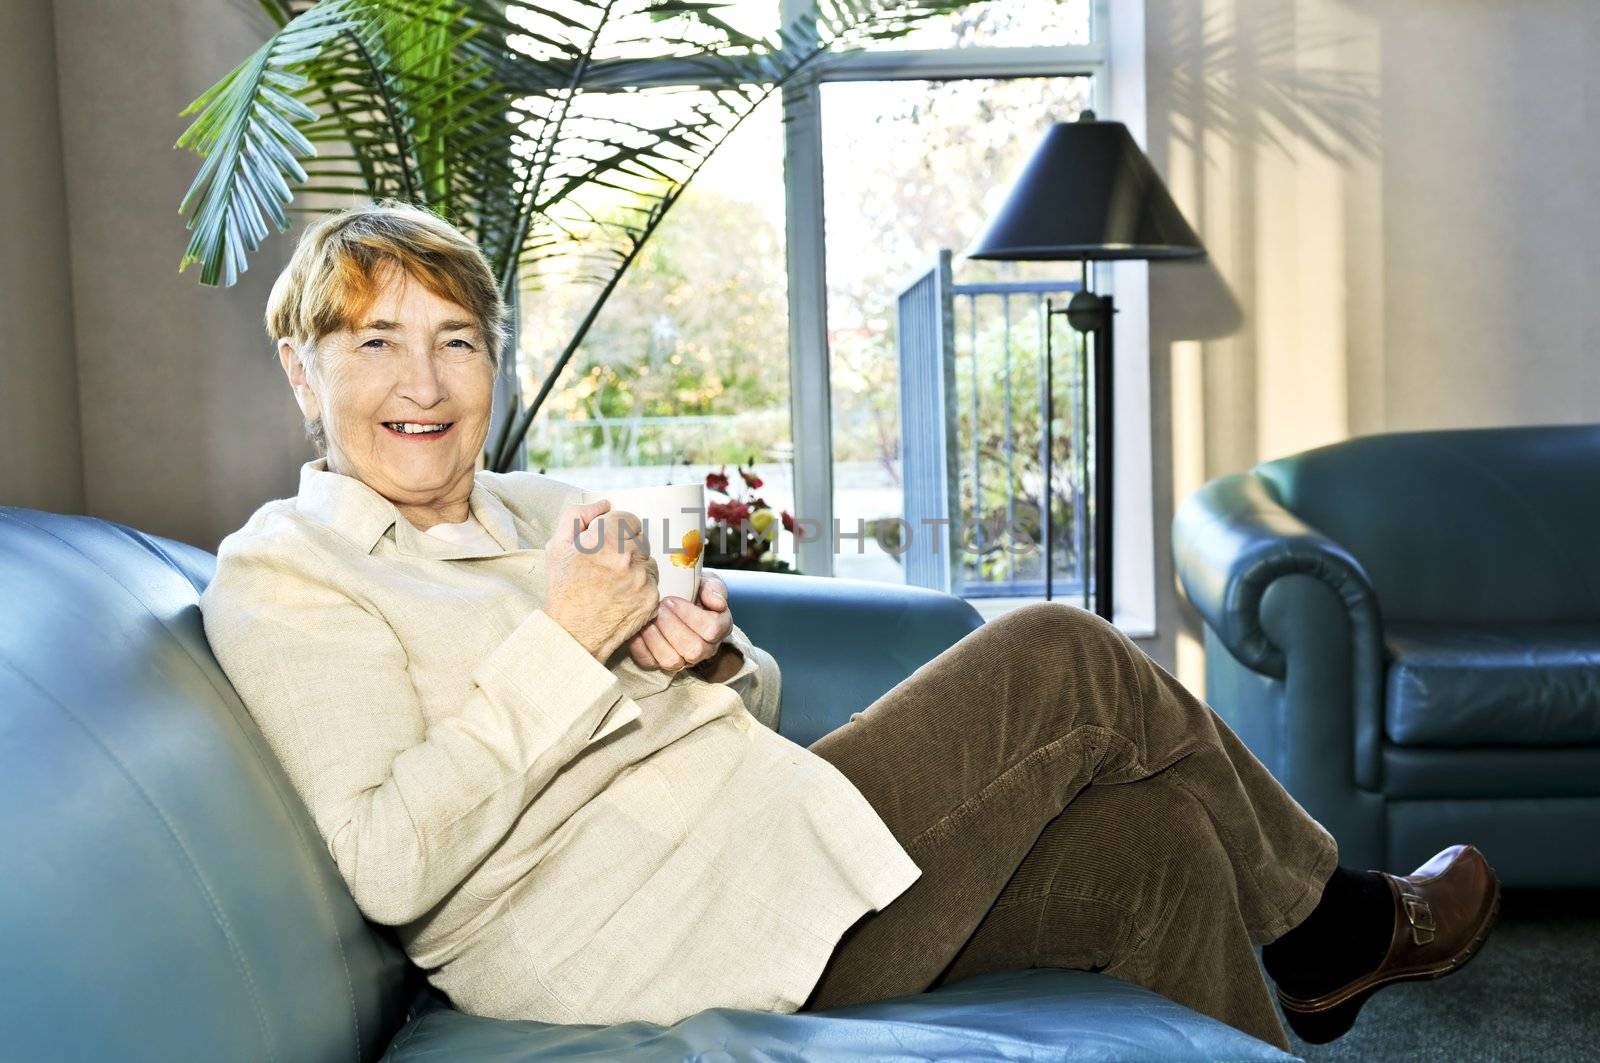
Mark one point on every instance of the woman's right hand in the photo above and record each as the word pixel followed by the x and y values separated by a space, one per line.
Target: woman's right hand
pixel 600 584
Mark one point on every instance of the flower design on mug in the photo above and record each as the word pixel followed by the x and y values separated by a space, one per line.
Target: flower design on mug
pixel 689 554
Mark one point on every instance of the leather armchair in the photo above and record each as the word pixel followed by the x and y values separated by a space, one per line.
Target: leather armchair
pixel 164 894
pixel 1406 629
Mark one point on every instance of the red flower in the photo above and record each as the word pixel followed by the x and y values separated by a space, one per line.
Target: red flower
pixel 732 512
pixel 751 479
pixel 718 481
pixel 788 521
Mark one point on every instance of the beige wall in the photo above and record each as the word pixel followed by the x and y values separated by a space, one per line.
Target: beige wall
pixel 42 468
pixel 1398 201
pixel 187 423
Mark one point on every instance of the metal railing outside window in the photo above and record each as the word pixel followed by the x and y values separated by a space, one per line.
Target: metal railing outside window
pixel 973 403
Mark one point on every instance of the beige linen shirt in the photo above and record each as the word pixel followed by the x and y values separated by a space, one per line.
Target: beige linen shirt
pixel 554 838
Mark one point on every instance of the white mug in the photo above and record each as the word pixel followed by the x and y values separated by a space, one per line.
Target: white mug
pixel 673 520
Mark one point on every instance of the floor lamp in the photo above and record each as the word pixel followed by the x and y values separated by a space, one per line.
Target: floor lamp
pixel 1087 194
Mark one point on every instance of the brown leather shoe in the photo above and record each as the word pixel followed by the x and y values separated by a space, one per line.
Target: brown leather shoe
pixel 1443 912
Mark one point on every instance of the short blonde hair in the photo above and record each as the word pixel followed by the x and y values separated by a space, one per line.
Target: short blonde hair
pixel 334 275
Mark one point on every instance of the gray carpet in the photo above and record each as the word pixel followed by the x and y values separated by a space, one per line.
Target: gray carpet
pixel 1532 993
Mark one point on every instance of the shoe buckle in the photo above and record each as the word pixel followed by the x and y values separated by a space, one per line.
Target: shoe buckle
pixel 1420 916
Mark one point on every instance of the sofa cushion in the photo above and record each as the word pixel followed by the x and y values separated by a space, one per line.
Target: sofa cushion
pixel 1486 773
pixel 1008 1015
pixel 1493 684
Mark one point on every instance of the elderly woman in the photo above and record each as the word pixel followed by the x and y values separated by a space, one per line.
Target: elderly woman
pixel 570 797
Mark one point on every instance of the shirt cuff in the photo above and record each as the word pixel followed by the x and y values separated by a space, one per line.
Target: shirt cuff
pixel 540 669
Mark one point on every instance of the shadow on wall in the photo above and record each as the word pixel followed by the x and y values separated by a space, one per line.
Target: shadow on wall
pixel 1285 104
pixel 1267 121
pixel 1264 118
pixel 1258 75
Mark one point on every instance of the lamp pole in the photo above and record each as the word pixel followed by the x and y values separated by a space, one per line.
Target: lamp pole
pixel 1089 315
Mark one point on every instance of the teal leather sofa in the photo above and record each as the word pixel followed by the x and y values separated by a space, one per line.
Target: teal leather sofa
pixel 164 895
pixel 1406 629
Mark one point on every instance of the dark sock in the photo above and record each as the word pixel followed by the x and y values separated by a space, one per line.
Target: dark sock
pixel 1345 936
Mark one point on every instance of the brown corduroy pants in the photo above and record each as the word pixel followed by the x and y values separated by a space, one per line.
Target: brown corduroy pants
pixel 1071 804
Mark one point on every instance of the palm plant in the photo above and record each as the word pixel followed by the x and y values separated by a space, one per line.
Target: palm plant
pixel 503 116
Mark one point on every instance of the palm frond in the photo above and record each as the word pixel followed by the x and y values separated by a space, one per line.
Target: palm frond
pixel 397 84
pixel 505 116
pixel 606 174
pixel 246 131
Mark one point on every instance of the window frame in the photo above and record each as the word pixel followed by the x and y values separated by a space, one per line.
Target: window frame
pixel 810 395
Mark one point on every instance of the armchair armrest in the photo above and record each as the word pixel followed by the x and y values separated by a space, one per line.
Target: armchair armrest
pixel 841 643
pixel 1231 541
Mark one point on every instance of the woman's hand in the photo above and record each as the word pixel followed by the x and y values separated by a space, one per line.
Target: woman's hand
pixel 599 583
pixel 684 634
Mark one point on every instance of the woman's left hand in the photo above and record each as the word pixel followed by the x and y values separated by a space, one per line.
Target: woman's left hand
pixel 683 634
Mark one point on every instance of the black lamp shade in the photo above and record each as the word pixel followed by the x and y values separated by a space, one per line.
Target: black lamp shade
pixel 1088 192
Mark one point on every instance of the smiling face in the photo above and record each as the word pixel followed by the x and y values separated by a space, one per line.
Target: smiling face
pixel 404 398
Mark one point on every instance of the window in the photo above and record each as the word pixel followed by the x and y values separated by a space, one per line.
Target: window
pixel 761 322
pixel 909 170
pixel 686 369
pixel 1015 23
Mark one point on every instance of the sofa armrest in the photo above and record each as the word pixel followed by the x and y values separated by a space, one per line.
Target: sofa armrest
pixel 841 643
pixel 1231 541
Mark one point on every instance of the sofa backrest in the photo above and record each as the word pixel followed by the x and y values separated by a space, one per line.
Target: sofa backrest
pixel 1465 525
pixel 163 893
